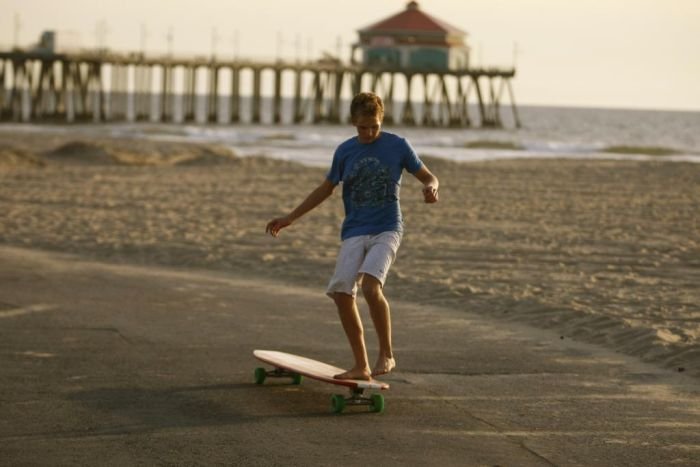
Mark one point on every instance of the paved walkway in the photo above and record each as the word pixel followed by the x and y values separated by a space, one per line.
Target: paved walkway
pixel 120 365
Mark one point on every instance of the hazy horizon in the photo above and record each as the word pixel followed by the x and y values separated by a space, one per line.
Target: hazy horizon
pixel 598 54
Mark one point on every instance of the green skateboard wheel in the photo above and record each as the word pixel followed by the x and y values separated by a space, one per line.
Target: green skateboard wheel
pixel 260 375
pixel 297 379
pixel 377 403
pixel 338 403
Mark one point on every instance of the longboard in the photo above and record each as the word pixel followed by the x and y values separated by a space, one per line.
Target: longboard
pixel 295 367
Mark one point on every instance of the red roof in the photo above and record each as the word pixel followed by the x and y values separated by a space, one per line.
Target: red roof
pixel 413 19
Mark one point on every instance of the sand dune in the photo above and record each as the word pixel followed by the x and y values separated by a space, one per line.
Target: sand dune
pixel 71 150
pixel 603 251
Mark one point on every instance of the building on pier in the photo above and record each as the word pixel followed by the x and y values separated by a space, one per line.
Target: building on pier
pixel 413 39
pixel 58 42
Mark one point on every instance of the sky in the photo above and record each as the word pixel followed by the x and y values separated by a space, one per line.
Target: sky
pixel 586 53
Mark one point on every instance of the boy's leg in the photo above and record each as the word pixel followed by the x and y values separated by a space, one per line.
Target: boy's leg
pixel 381 316
pixel 352 325
pixel 375 267
pixel 342 289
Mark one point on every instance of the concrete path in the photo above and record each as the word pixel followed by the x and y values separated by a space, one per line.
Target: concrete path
pixel 121 365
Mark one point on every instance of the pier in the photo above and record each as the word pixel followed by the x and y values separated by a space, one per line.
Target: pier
pixel 104 86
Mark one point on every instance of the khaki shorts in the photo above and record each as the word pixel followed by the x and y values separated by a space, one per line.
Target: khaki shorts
pixel 364 254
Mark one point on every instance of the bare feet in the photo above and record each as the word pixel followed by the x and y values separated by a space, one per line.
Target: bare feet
pixel 384 366
pixel 355 373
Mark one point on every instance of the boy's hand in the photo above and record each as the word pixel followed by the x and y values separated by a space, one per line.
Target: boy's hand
pixel 275 225
pixel 430 194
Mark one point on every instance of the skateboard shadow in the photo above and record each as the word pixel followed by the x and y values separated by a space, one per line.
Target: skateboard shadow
pixel 142 410
pixel 145 409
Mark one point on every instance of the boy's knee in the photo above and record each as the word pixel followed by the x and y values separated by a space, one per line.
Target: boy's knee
pixel 342 299
pixel 371 287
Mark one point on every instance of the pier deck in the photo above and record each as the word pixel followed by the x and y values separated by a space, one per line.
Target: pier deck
pixel 110 86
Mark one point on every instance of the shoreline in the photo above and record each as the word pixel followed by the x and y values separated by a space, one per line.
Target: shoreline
pixel 312 145
pixel 606 252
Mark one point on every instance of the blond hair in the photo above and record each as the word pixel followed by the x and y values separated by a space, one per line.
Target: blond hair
pixel 366 104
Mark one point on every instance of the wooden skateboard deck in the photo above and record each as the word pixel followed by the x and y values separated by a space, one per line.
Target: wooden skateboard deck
pixel 295 366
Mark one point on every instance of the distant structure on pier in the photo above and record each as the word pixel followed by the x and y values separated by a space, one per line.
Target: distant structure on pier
pixel 418 64
pixel 413 39
pixel 58 42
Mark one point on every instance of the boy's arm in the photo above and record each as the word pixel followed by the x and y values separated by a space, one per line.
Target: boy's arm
pixel 316 197
pixel 430 184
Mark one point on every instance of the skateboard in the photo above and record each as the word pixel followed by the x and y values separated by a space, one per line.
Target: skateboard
pixel 296 367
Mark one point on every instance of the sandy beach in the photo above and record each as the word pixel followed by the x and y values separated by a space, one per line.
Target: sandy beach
pixel 606 252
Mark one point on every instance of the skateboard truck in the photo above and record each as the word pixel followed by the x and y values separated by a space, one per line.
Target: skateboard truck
pixel 375 401
pixel 261 374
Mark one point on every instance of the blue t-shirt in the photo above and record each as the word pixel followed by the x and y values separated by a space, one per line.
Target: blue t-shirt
pixel 371 176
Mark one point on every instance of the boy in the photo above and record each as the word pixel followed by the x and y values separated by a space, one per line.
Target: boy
pixel 370 167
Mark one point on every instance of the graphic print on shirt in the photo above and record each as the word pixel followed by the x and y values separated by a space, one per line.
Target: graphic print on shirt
pixel 370 184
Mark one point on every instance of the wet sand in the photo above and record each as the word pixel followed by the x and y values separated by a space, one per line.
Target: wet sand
pixel 601 251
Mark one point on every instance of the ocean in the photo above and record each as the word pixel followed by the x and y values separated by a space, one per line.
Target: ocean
pixel 546 132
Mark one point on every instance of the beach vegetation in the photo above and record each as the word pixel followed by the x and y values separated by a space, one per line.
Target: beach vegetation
pixel 646 150
pixel 490 144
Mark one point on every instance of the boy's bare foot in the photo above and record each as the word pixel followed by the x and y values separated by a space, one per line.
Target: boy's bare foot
pixel 384 366
pixel 355 373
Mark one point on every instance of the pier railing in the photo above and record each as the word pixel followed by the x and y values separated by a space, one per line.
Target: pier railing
pixel 105 86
